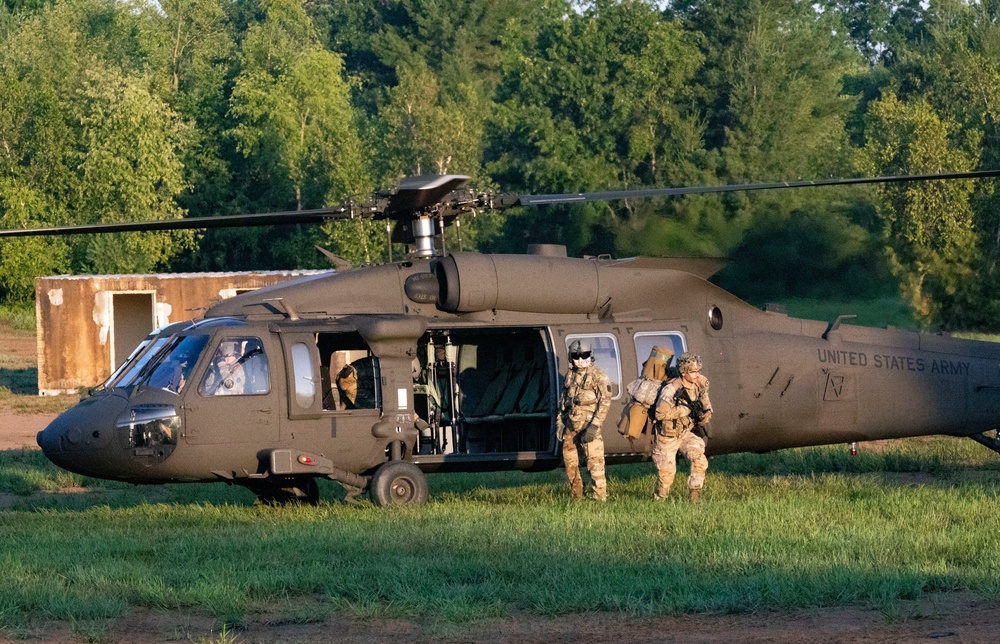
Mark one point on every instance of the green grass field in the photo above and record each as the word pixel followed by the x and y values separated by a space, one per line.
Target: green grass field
pixel 796 529
pixel 19 316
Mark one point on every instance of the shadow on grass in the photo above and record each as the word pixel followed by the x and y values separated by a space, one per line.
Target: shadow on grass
pixel 20 381
pixel 28 481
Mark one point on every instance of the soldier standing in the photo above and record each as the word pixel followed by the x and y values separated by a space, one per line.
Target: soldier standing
pixel 683 413
pixel 585 401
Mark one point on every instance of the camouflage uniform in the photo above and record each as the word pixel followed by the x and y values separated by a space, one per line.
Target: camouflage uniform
pixel 233 381
pixel 676 432
pixel 585 401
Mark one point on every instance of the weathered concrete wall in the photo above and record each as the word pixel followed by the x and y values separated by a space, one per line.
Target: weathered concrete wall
pixel 74 316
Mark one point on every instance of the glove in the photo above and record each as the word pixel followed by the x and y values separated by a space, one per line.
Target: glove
pixel 706 418
pixel 589 434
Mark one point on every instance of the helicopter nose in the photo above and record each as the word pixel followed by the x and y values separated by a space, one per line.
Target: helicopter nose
pixel 80 440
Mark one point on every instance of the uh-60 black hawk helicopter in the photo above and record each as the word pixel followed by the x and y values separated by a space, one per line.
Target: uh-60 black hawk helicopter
pixel 375 376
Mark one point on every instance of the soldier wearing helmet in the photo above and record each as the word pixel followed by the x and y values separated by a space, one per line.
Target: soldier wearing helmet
pixel 226 377
pixel 683 413
pixel 586 397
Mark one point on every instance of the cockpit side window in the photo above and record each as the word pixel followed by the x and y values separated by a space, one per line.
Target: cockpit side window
pixel 238 368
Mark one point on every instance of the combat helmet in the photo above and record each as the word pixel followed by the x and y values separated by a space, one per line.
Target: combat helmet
pixel 229 348
pixel 689 362
pixel 580 348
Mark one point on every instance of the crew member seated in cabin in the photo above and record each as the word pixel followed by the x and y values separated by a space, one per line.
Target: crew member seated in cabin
pixel 172 374
pixel 347 387
pixel 226 377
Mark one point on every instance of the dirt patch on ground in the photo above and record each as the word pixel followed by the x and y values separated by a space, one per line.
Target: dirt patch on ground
pixel 18 431
pixel 948 618
pixel 21 344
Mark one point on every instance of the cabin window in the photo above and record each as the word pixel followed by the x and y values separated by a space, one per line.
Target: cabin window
pixel 349 372
pixel 606 356
pixel 302 370
pixel 238 368
pixel 646 340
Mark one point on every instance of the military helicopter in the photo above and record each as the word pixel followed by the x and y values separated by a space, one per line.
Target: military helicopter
pixel 442 362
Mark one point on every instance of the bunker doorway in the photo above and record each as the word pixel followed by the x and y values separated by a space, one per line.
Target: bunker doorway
pixel 133 317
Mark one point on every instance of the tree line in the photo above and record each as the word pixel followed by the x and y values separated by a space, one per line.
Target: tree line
pixel 127 110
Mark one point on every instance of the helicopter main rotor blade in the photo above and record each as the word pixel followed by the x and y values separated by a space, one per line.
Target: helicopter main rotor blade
pixel 425 194
pixel 645 193
pixel 223 221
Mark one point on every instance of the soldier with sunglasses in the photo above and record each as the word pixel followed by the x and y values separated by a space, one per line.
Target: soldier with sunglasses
pixel 586 397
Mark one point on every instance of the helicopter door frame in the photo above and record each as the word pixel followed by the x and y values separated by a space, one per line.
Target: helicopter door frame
pixel 302 374
pixel 505 378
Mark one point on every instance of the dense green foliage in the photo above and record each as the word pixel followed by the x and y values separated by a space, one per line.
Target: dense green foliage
pixel 798 529
pixel 133 110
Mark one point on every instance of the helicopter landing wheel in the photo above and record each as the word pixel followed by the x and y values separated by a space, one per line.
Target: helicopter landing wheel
pixel 398 483
pixel 305 491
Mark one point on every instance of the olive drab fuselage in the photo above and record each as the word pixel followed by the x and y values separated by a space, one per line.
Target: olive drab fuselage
pixel 458 362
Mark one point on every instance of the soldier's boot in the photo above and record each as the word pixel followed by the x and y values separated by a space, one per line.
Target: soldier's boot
pixel 600 491
pixel 661 493
pixel 577 491
pixel 695 495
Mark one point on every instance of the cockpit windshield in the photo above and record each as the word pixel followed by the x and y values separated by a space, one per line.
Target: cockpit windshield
pixel 171 369
pixel 123 366
pixel 127 373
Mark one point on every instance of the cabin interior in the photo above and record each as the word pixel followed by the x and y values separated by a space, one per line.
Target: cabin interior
pixel 483 391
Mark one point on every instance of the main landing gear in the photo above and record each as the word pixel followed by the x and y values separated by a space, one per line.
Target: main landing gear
pixel 398 483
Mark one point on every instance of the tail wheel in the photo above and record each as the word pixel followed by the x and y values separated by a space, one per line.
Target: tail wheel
pixel 398 483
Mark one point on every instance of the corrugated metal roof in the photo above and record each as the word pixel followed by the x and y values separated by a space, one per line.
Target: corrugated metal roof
pixel 189 275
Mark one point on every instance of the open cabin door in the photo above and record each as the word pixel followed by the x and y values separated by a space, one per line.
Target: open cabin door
pixel 484 392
